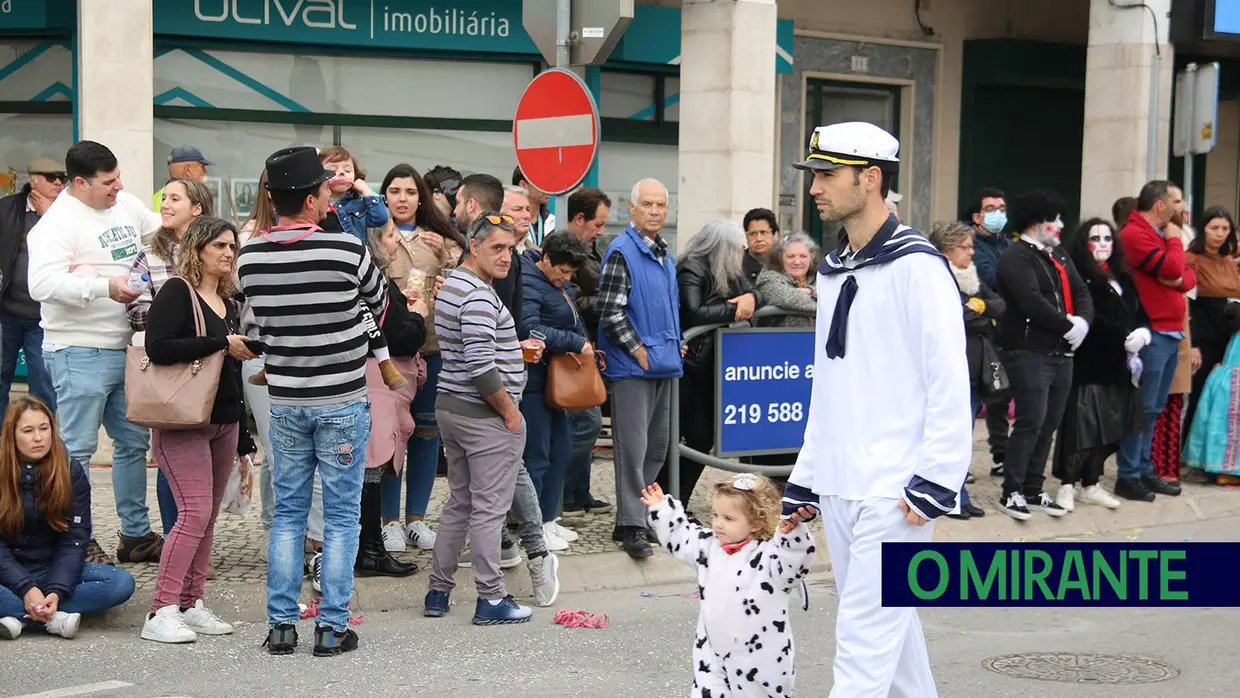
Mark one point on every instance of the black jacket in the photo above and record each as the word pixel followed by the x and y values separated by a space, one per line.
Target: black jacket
pixel 12 229
pixel 978 326
pixel 753 265
pixel 701 303
pixel 1036 318
pixel 1102 358
pixel 38 546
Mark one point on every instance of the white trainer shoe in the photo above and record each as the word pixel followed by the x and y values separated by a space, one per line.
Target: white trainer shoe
pixel 393 537
pixel 168 626
pixel 10 628
pixel 316 572
pixel 552 537
pixel 64 624
pixel 1096 495
pixel 203 621
pixel 545 577
pixel 420 535
pixel 568 534
pixel 1066 498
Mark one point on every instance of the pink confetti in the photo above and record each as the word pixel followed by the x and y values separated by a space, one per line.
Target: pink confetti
pixel 312 611
pixel 581 619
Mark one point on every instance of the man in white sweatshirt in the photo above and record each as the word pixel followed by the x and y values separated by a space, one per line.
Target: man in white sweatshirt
pixel 81 252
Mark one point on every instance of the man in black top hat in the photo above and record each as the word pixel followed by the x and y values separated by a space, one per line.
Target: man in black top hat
pixel 303 284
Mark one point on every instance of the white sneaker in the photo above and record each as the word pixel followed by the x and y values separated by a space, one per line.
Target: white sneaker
pixel 1066 497
pixel 10 628
pixel 568 534
pixel 316 572
pixel 393 537
pixel 167 625
pixel 552 537
pixel 64 624
pixel 1096 495
pixel 420 535
pixel 201 620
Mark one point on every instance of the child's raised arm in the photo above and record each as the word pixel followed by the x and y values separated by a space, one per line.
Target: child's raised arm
pixel 685 540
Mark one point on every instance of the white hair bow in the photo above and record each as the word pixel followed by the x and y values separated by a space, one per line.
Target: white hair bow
pixel 745 481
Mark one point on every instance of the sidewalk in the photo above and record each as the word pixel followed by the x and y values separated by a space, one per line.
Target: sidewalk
pixel 595 562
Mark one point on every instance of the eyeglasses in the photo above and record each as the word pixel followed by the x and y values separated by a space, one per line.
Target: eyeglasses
pixel 53 176
pixel 500 220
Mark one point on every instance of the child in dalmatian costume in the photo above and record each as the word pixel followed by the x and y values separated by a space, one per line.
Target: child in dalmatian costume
pixel 747 564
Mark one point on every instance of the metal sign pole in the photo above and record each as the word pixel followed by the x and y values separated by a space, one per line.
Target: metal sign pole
pixel 563 59
pixel 1190 85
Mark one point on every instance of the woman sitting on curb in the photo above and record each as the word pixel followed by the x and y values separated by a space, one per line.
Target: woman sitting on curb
pixel 44 527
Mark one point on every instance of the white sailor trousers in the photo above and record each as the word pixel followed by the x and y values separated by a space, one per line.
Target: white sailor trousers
pixel 880 652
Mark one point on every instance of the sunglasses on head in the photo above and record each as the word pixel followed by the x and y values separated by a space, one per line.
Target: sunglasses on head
pixel 53 176
pixel 500 220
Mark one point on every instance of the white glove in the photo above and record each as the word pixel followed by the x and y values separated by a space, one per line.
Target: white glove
pixel 1076 335
pixel 1137 340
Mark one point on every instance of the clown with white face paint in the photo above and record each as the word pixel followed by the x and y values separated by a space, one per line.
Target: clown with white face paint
pixel 1104 405
pixel 1049 311
pixel 889 435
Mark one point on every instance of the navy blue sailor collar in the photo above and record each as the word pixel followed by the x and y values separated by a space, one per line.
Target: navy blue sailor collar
pixel 892 241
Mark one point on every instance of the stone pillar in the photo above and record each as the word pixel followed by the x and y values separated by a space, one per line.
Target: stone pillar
pixel 1121 59
pixel 116 85
pixel 727 111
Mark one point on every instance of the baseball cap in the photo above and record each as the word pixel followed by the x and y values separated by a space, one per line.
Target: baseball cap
pixel 849 144
pixel 44 166
pixel 187 153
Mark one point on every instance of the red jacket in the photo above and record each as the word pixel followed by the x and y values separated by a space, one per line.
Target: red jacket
pixel 1155 259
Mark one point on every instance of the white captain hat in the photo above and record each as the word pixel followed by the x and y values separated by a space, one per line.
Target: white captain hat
pixel 852 143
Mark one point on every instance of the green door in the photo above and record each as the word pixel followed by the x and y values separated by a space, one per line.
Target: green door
pixel 833 102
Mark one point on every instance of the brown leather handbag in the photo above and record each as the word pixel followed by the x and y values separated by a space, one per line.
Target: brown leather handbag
pixel 574 381
pixel 175 397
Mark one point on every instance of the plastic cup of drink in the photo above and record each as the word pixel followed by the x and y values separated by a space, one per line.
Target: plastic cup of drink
pixel 531 346
pixel 416 281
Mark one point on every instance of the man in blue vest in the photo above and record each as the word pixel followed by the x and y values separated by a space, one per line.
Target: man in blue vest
pixel 639 332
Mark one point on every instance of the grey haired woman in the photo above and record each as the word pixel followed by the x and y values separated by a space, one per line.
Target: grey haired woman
pixel 713 290
pixel 788 281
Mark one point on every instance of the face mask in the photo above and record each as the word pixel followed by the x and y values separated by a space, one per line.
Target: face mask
pixel 1048 233
pixel 1101 243
pixel 994 221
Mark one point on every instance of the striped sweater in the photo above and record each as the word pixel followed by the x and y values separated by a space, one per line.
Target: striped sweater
pixel 303 287
pixel 478 341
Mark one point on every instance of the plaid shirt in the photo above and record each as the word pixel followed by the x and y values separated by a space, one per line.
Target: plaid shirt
pixel 160 271
pixel 613 296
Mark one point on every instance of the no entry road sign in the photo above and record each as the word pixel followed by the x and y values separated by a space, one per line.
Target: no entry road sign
pixel 555 131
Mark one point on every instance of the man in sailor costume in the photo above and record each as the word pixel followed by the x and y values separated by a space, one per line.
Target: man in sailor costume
pixel 889 434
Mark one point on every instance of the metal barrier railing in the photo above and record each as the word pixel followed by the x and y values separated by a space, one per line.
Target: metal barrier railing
pixel 674 454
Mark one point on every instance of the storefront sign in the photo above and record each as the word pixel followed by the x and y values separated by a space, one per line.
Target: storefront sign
pixel 486 26
pixel 763 385
pixel 28 15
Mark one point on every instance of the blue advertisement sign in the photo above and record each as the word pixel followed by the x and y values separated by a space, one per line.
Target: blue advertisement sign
pixel 1226 16
pixel 762 389
pixel 28 15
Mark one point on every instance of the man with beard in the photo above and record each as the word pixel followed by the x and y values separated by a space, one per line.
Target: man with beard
pixel 1152 239
pixel 889 368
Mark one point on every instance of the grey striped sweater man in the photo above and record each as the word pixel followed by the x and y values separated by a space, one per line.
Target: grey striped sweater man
pixel 478 340
pixel 303 291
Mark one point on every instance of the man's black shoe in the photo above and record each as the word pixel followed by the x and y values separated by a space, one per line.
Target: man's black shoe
pixel 1132 488
pixel 636 544
pixel 1157 485
pixel 329 642
pixel 281 639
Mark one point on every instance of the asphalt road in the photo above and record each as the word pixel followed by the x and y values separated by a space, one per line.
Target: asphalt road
pixel 645 651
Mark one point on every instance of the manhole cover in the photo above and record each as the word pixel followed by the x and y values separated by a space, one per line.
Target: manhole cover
pixel 1082 668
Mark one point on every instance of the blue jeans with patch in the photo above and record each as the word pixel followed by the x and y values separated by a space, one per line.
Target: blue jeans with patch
pixel 90 391
pixel 330 440
pixel 1159 360
pixel 584 427
pixel 23 334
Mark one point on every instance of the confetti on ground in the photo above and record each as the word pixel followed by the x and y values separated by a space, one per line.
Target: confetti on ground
pixel 581 619
pixel 657 595
pixel 311 610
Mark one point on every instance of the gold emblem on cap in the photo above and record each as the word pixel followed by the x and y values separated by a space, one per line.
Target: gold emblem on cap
pixel 813 142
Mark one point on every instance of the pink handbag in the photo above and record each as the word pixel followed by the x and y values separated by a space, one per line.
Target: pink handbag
pixel 176 397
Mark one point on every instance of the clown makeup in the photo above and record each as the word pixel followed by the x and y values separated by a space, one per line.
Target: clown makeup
pixel 1101 242
pixel 1048 233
